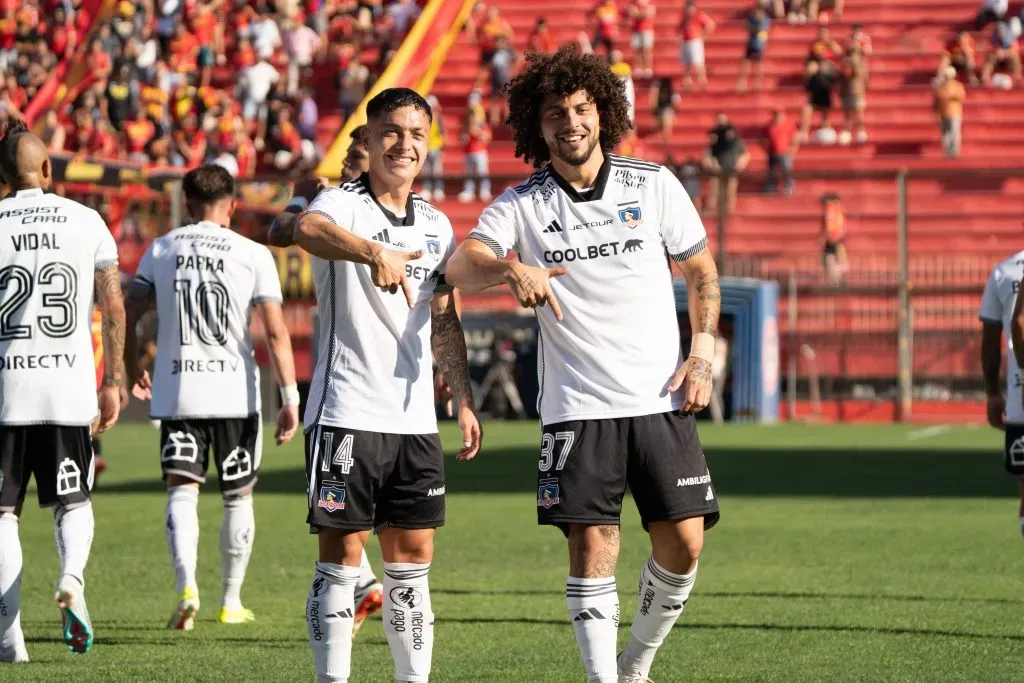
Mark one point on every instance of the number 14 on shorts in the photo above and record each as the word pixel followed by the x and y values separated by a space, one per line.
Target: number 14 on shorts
pixel 340 456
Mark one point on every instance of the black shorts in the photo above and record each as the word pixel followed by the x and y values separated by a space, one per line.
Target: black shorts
pixel 754 51
pixel 237 444
pixel 360 480
pixel 585 465
pixel 61 459
pixel 1013 453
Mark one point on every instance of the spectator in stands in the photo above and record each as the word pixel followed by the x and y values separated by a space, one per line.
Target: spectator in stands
pixel 265 36
pixel 1003 60
pixel 820 81
pixel 119 98
pixel 758 25
pixel 814 7
pixel 606 25
pixel 352 85
pixel 689 174
pixel 859 39
pixel 541 41
pixel 781 143
pixel 302 43
pixel 103 143
pixel 949 107
pixel 476 135
pixel 255 85
pixel 960 54
pixel 503 61
pixel 991 10
pixel 54 134
pixel 99 63
pixel 833 238
pixel 494 26
pixel 63 37
pixel 824 48
pixel 726 158
pixel 405 13
pixel 138 132
pixel 694 27
pixel 852 94
pixel 621 68
pixel 664 103
pixel 641 15
pixel 189 147
pixel 308 114
pixel 433 169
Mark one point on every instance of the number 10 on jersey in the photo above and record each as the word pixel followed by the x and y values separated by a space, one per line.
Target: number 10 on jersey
pixel 204 314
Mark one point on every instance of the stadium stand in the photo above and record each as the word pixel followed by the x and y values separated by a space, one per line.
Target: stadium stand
pixel 257 85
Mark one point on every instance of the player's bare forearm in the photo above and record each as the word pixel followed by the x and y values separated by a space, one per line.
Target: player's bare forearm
pixel 318 235
pixel 448 342
pixel 704 292
pixel 139 299
pixel 992 356
pixel 474 267
pixel 279 344
pixel 108 290
pixel 282 230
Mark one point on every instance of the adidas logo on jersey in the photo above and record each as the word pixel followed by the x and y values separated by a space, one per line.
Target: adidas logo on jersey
pixel 382 236
pixel 710 494
pixel 553 226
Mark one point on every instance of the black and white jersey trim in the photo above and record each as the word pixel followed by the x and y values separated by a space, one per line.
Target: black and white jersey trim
pixel 318 212
pixel 536 180
pixel 331 348
pixel 489 241
pixel 634 163
pixel 442 286
pixel 103 265
pixel 692 251
pixel 267 299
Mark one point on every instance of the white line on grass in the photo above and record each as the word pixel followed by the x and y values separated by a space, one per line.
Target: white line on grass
pixel 928 432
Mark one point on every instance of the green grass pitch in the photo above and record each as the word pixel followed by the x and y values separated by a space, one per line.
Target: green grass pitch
pixel 853 553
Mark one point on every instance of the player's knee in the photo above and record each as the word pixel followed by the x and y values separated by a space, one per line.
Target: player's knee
pixel 240 495
pixel 677 545
pixel 341 546
pixel 407 546
pixel 178 480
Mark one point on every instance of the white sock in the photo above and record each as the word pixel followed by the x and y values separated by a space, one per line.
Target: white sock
pixel 329 612
pixel 237 530
pixel 183 533
pixel 409 620
pixel 12 640
pixel 366 575
pixel 660 599
pixel 73 530
pixel 594 613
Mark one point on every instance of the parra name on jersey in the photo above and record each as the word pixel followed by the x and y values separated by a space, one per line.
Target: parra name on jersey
pixel 45 361
pixel 206 263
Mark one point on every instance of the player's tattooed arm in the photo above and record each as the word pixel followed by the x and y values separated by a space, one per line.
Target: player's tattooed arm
pixel 139 300
pixel 448 342
pixel 108 290
pixel 705 306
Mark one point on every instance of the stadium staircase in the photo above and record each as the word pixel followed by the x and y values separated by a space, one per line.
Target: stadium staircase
pixel 952 218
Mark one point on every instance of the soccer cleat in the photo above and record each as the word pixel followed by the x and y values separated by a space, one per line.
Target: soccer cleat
pixel 368 599
pixel 235 615
pixel 629 678
pixel 77 626
pixel 184 616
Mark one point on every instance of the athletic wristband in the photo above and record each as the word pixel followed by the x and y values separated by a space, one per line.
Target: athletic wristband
pixel 299 203
pixel 290 395
pixel 703 346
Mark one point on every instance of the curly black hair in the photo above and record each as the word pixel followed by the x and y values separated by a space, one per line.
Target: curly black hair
pixel 562 74
pixel 9 149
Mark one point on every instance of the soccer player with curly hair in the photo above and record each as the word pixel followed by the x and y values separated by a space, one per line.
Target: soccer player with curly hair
pixel 617 402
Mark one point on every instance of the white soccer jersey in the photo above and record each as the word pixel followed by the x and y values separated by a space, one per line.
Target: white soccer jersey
pixel 618 345
pixel 374 368
pixel 206 280
pixel 52 248
pixel 997 307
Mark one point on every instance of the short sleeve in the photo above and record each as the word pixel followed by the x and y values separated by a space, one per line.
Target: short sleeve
pixel 334 204
pixel 144 273
pixel 498 225
pixel 991 306
pixel 268 283
pixel 106 250
pixel 682 230
pixel 441 286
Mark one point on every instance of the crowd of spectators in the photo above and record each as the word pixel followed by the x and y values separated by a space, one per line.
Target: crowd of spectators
pixel 182 82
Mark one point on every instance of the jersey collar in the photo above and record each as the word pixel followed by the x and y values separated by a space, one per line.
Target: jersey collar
pixel 33 192
pixel 599 184
pixel 410 214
